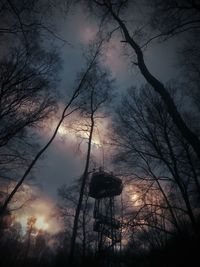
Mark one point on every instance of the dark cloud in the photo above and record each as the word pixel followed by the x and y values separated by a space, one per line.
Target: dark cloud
pixel 62 164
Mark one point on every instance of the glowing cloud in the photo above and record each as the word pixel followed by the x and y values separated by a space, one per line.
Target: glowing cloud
pixel 45 213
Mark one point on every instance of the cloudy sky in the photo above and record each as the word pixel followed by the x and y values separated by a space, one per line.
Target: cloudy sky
pixel 62 162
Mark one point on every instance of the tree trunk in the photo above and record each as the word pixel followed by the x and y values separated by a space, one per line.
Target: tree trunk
pixel 84 179
pixel 188 134
pixel 63 116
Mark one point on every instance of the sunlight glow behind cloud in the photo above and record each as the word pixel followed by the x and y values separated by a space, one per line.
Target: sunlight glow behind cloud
pixel 83 134
pixel 44 210
pixel 40 224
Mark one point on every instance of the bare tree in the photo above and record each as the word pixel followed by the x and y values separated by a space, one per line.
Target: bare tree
pixel 26 22
pixel 173 18
pixel 96 93
pixel 150 143
pixel 112 10
pixel 28 72
pixel 65 113
pixel 69 196
pixel 26 100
